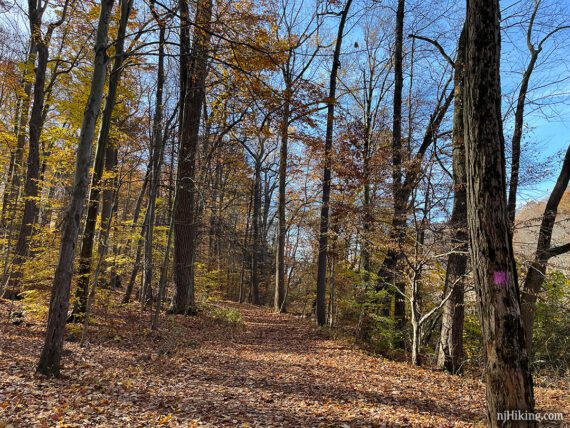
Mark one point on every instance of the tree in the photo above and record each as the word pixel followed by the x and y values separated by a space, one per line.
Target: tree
pixel 192 92
pixel 321 305
pixel 41 44
pixel 293 70
pixel 156 154
pixel 59 303
pixel 86 254
pixel 450 347
pixel 534 50
pixel 536 271
pixel 507 373
pixel 388 272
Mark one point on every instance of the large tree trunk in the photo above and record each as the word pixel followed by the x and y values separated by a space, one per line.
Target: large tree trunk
pixel 86 256
pixel 59 304
pixel 507 373
pixel 537 269
pixel 450 353
pixel 325 208
pixel 193 93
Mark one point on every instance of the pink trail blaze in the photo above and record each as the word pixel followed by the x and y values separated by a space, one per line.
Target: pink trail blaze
pixel 500 278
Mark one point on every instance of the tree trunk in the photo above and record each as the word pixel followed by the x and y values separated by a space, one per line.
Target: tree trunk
pixel 279 303
pixel 193 93
pixel 450 350
pixel 507 374
pixel 33 172
pixel 59 304
pixel 138 253
pixel 321 304
pixel 519 117
pixel 254 288
pixel 157 151
pixel 517 137
pixel 86 254
pixel 12 191
pixel 388 275
pixel 537 269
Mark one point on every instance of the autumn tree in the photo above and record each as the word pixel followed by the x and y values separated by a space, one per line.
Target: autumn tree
pixel 193 73
pixel 53 345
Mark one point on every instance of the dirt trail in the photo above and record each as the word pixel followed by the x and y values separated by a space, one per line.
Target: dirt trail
pixel 272 370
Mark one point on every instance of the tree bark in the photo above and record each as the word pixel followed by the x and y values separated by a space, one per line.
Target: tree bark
pixel 192 101
pixel 450 352
pixel 279 303
pixel 507 373
pixel 88 239
pixel 321 305
pixel 544 251
pixel 33 172
pixel 255 248
pixel 53 345
pixel 389 279
pixel 12 191
pixel 157 151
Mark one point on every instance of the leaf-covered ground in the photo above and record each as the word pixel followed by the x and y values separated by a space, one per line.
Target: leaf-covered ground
pixel 272 370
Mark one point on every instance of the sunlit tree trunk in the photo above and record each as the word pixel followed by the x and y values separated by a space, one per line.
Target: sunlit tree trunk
pixel 88 238
pixel 59 304
pixel 544 251
pixel 321 304
pixel 255 235
pixel 279 303
pixel 507 373
pixel 450 350
pixel 157 152
pixel 31 183
pixel 13 184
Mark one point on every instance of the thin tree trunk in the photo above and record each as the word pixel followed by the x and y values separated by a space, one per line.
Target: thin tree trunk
pixel 537 269
pixel 157 152
pixel 12 191
pixel 53 345
pixel 15 171
pixel 279 302
pixel 86 255
pixel 388 273
pixel 507 372
pixel 450 350
pixel 241 296
pixel 519 119
pixel 254 286
pixel 321 306
pixel 33 171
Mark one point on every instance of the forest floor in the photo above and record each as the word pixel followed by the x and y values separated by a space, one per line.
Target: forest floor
pixel 268 370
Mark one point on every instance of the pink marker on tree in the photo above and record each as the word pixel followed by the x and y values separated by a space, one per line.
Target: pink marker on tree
pixel 500 278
